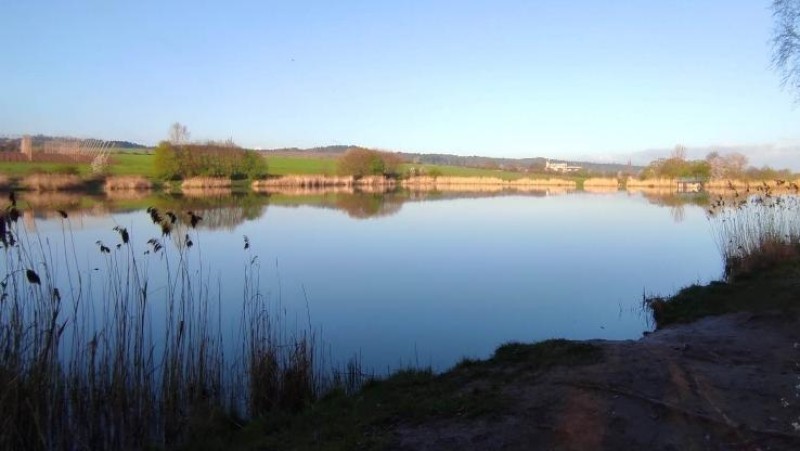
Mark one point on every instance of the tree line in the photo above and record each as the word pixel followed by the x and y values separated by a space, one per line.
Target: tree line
pixel 714 166
pixel 179 161
pixel 361 162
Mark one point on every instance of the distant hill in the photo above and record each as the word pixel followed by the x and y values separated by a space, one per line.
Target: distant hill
pixel 9 143
pixel 522 164
pixel 126 145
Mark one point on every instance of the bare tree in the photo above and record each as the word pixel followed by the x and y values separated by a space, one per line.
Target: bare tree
pixel 731 165
pixel 178 134
pixel 679 152
pixel 786 42
pixel 737 163
pixel 717 164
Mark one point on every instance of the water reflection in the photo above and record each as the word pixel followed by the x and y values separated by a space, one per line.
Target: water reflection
pixel 468 270
pixel 223 209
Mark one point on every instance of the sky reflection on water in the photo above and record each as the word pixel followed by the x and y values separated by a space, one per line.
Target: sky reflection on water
pixel 435 281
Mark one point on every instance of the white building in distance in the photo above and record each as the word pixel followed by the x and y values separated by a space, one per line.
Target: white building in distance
pixel 560 167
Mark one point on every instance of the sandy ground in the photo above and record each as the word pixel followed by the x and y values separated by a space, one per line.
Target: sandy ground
pixel 726 382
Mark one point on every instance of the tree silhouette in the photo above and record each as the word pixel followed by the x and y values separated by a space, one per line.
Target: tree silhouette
pixel 786 43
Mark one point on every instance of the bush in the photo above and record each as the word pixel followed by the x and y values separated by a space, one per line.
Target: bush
pixel 208 160
pixel 360 162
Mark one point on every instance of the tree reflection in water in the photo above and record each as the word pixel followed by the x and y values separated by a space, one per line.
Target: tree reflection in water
pixel 227 210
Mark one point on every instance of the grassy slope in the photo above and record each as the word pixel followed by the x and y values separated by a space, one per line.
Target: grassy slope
pixel 284 165
pixel 132 164
pixel 280 165
pixel 20 169
pixel 128 163
pixel 122 163
pixel 460 171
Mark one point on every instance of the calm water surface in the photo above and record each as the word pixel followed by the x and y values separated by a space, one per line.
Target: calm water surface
pixel 403 281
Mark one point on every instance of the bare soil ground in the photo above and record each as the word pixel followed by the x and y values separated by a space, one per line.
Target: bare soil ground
pixel 723 382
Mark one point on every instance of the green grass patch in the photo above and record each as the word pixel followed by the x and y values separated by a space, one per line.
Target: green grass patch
pixel 281 165
pixel 777 288
pixel 18 169
pixel 461 171
pixel 546 354
pixel 289 165
pixel 126 163
pixel 365 420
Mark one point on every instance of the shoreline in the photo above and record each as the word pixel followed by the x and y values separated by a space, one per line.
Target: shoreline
pixel 712 378
pixel 379 184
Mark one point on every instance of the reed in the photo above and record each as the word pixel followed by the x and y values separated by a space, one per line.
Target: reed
pixel 724 186
pixel 601 182
pixel 110 361
pixel 127 183
pixel 634 184
pixel 756 231
pixel 206 182
pixel 206 192
pixel 52 182
pixel 427 181
pixel 304 181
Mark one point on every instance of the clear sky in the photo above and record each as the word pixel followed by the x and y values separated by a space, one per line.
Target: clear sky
pixel 555 78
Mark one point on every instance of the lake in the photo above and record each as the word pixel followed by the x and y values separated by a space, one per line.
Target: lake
pixel 419 279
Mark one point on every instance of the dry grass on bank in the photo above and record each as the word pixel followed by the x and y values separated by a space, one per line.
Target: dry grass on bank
pixel 206 182
pixel 425 181
pixel 322 181
pixel 601 182
pixel 746 187
pixel 756 232
pixel 303 181
pixel 632 183
pixel 127 183
pixel 52 182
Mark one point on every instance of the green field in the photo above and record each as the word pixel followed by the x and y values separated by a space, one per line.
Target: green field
pixel 21 168
pixel 462 171
pixel 121 163
pixel 128 163
pixel 281 165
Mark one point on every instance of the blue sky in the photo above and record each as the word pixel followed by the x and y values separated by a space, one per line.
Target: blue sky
pixel 502 78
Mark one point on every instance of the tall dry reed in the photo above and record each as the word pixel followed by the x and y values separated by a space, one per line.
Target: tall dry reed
pixel 206 182
pixel 755 231
pixel 601 182
pixel 52 182
pixel 126 183
pixel 123 364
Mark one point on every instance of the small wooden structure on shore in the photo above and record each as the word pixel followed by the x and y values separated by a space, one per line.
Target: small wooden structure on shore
pixel 690 185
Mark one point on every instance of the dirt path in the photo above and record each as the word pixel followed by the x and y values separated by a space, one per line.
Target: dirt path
pixel 726 382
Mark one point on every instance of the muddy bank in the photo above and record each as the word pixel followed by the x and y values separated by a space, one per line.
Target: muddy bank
pixel 726 382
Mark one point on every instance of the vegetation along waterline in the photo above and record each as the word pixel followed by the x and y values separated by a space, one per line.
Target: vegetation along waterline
pixel 175 164
pixel 131 354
